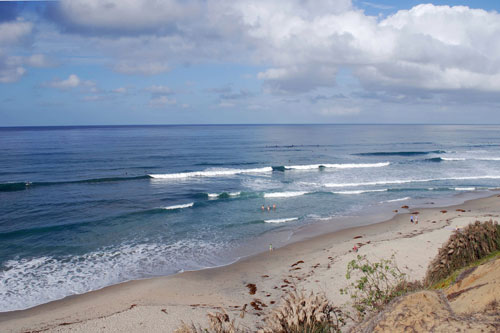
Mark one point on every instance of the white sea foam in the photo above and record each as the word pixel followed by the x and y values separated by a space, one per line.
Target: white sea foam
pixel 405 181
pixel 180 206
pixel 284 194
pixel 452 159
pixel 399 199
pixel 232 172
pixel 318 217
pixel 382 182
pixel 210 173
pixel 465 188
pixel 282 220
pixel 471 158
pixel 217 195
pixel 337 166
pixel 28 282
pixel 359 192
pixel 359 165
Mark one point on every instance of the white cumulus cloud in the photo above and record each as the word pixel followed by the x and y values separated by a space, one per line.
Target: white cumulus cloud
pixel 73 81
pixel 302 44
pixel 14 31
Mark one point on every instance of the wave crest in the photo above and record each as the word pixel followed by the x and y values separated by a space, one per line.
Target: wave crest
pixel 360 191
pixel 210 173
pixel 282 220
pixel 191 204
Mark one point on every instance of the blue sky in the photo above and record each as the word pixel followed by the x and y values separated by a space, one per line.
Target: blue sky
pixel 76 62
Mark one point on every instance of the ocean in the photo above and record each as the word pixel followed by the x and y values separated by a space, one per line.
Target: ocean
pixel 82 208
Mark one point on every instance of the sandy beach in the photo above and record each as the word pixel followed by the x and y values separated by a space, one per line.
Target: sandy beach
pixel 317 264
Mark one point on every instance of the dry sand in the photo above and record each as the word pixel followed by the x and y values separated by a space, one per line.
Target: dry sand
pixel 317 264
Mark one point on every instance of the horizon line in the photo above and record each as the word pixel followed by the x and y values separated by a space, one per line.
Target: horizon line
pixel 245 124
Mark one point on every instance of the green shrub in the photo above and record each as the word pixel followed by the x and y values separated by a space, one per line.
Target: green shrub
pixel 377 285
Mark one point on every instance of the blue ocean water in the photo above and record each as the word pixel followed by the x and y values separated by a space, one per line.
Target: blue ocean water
pixel 86 207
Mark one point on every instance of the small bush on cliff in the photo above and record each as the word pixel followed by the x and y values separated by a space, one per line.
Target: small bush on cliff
pixel 299 313
pixel 377 285
pixel 465 246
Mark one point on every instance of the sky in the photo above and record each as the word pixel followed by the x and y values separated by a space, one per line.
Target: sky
pixel 117 62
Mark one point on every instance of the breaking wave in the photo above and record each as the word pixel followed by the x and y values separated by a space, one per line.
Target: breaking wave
pixel 406 181
pixel 180 206
pixel 359 192
pixel 333 166
pixel 210 173
pixel 401 153
pixel 282 220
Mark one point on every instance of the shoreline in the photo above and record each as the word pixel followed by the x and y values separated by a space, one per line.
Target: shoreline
pixel 191 294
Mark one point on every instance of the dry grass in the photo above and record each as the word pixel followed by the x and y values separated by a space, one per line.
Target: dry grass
pixel 304 314
pixel 219 323
pixel 465 246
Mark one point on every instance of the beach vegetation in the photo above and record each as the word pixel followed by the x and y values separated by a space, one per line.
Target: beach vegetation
pixel 299 313
pixel 219 322
pixel 464 247
pixel 457 274
pixel 377 284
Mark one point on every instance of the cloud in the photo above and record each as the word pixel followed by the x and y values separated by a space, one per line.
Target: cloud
pixel 11 69
pixel 12 32
pixel 298 79
pixel 225 104
pixel 159 90
pixel 73 81
pixel 161 101
pixel 39 61
pixel 123 17
pixel 121 90
pixel 339 111
pixel 300 44
pixel 143 68
pixel 228 93
pixel 94 98
pixel 425 48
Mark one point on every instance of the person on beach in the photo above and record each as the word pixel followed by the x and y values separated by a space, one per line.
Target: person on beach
pixel 411 219
pixel 270 247
pixel 355 248
pixel 416 219
pixel 274 206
